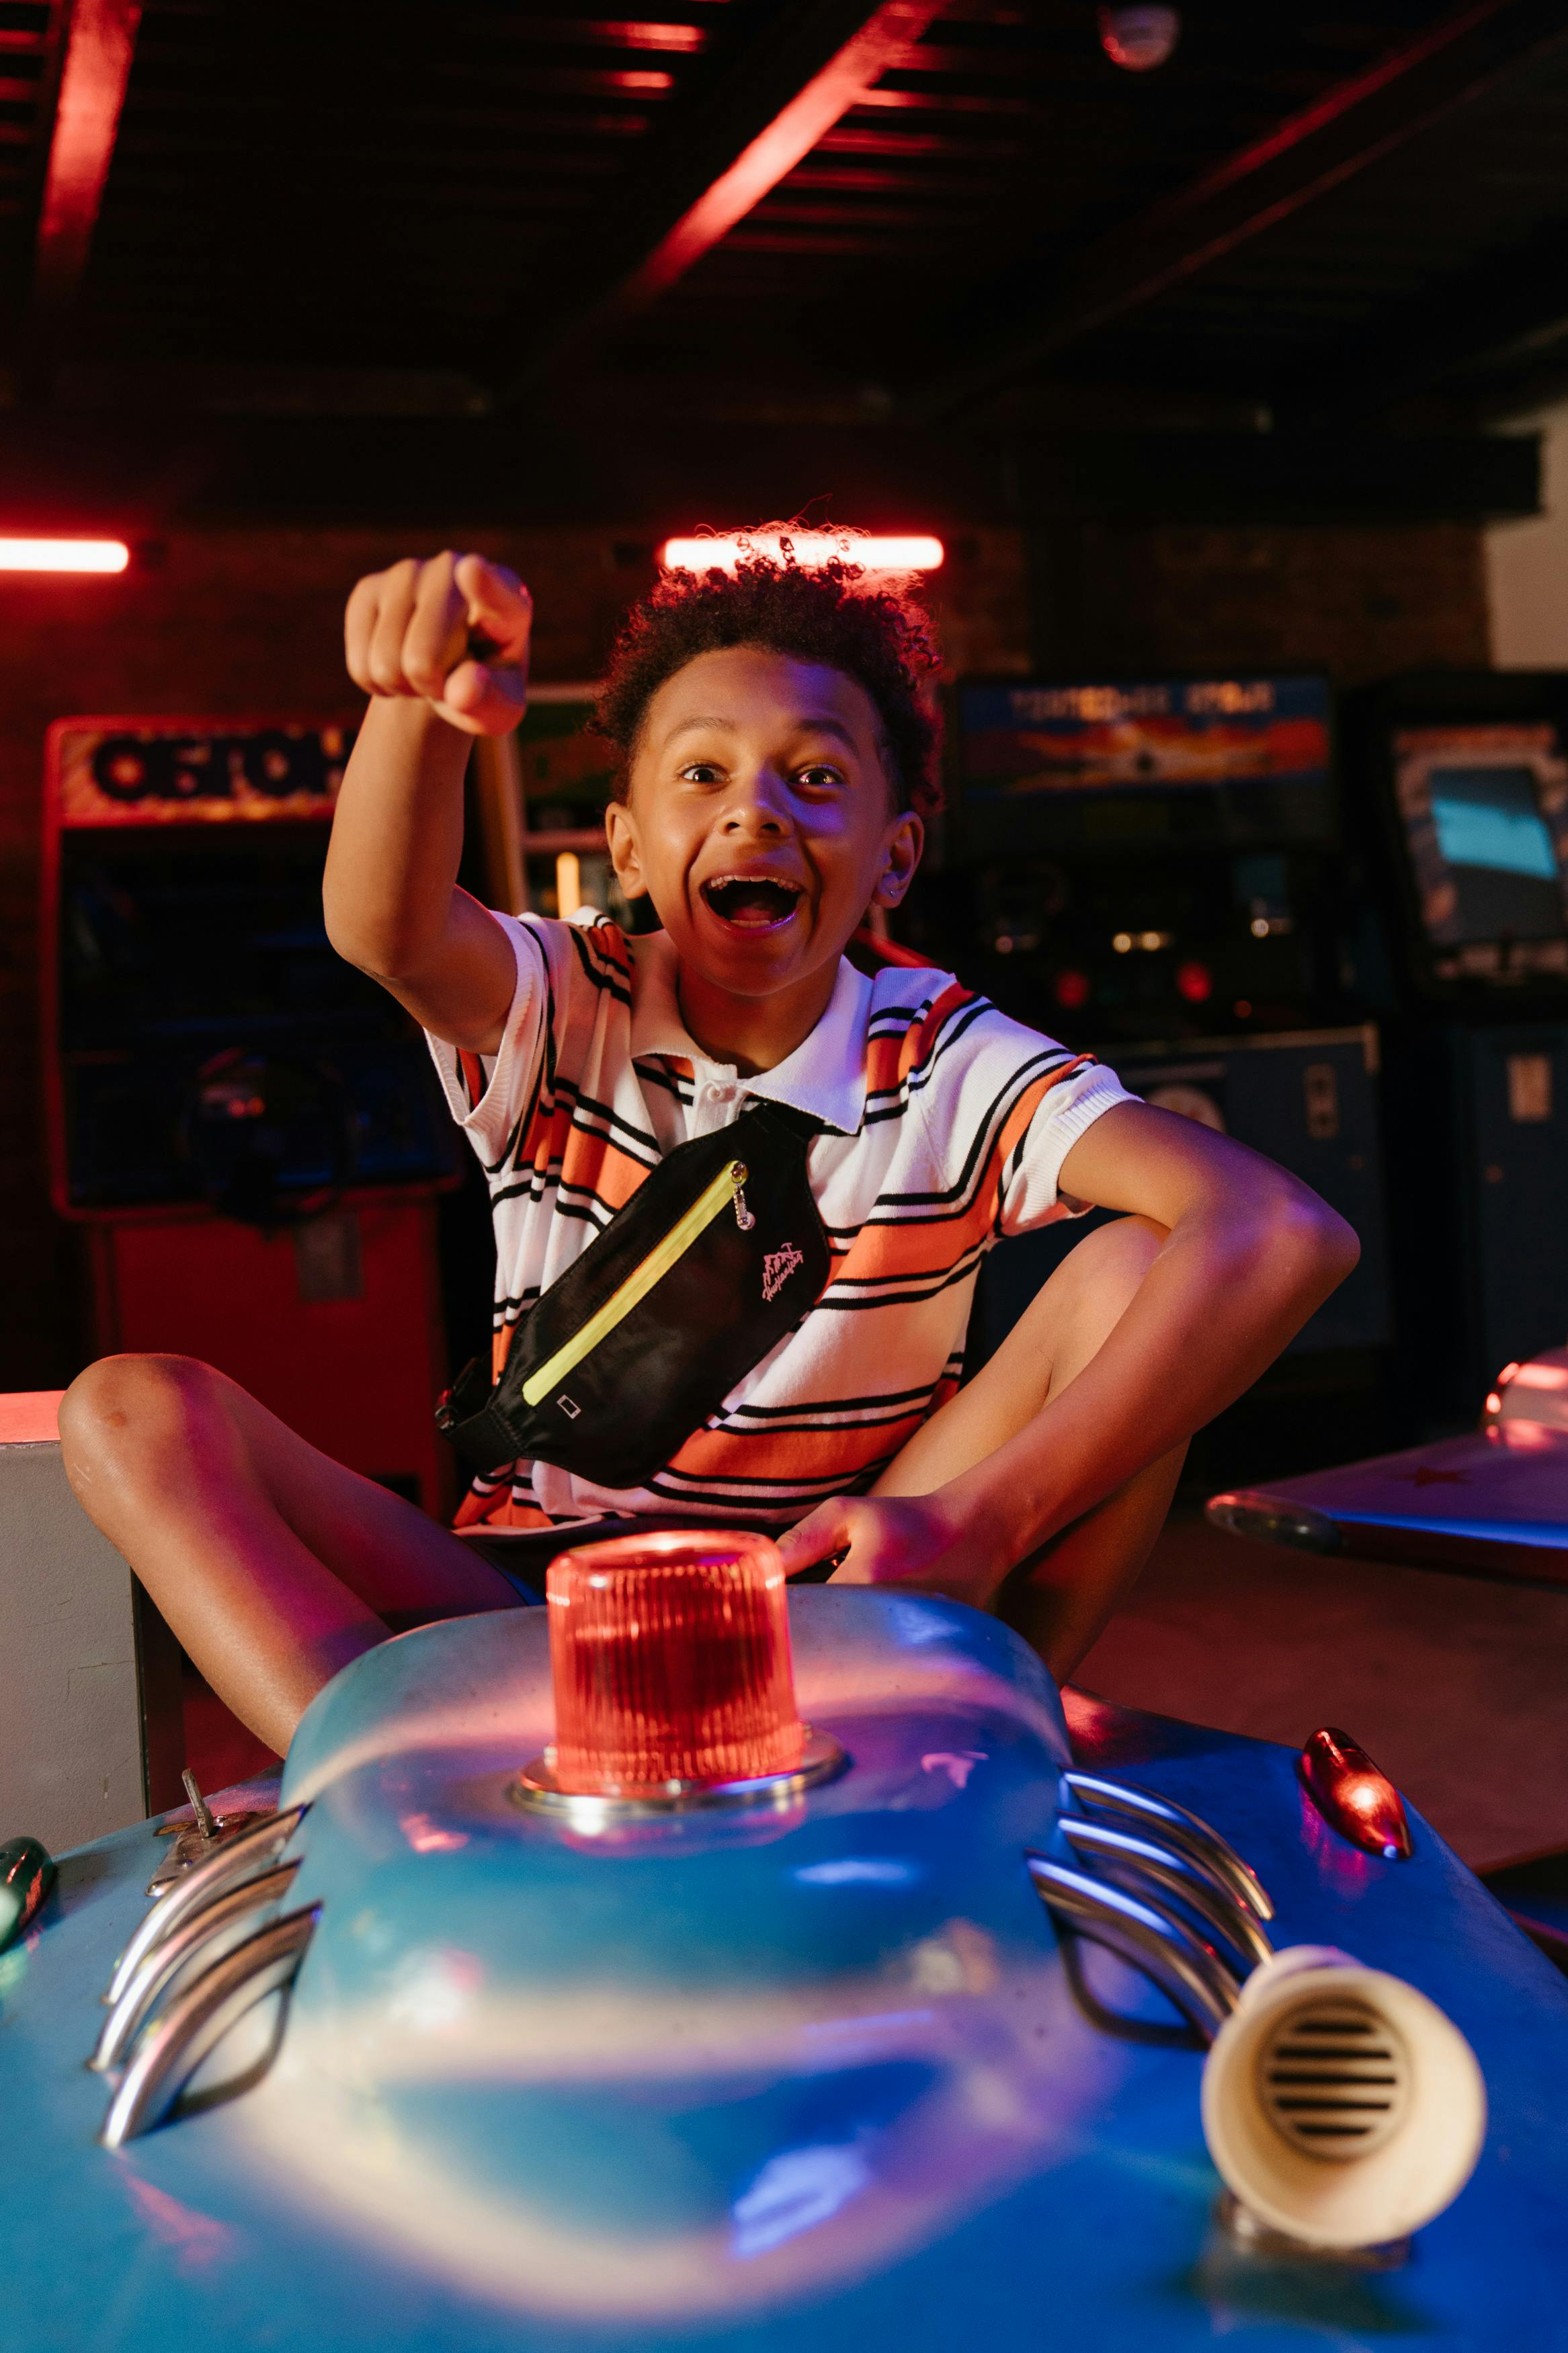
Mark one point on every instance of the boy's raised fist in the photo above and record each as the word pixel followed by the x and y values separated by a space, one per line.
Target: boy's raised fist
pixel 452 632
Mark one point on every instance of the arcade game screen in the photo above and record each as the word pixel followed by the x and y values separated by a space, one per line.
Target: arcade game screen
pixel 1485 813
pixel 1142 858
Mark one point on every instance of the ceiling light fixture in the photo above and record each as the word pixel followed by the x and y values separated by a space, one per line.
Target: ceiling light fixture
pixel 914 552
pixel 63 555
pixel 1139 38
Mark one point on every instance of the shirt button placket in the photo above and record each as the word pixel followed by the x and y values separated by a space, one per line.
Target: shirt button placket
pixel 717 1096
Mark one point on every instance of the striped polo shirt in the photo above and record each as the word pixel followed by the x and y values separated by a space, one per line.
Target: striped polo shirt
pixel 944 1125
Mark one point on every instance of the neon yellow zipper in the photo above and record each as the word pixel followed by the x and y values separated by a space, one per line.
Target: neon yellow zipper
pixel 724 1190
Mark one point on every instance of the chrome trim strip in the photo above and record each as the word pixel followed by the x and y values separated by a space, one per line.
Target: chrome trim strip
pixel 1187 1971
pixel 188 1846
pixel 191 2028
pixel 240 1857
pixel 535 1790
pixel 175 1953
pixel 1176 1827
pixel 1262 1518
pixel 1132 1861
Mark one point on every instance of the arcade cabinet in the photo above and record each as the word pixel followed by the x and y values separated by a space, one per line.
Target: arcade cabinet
pixel 1461 783
pixel 248 1132
pixel 1153 869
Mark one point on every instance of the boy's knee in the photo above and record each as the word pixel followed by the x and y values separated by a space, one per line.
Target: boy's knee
pixel 1116 1257
pixel 1094 1287
pixel 123 1408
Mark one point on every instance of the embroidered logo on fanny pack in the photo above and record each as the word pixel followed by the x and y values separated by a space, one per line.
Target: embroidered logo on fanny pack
pixel 777 1267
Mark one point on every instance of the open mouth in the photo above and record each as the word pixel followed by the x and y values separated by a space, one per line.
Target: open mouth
pixel 751 902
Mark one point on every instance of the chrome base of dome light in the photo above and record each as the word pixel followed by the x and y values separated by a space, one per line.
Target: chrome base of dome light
pixel 537 1789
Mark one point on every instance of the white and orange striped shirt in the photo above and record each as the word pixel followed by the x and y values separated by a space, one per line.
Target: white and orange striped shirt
pixel 945 1125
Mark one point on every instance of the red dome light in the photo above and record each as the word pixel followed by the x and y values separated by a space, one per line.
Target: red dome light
pixel 1354 1796
pixel 671 1660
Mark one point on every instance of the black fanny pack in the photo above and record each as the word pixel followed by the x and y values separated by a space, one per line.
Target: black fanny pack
pixel 718 1254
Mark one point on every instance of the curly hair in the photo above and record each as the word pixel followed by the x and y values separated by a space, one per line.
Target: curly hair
pixel 879 637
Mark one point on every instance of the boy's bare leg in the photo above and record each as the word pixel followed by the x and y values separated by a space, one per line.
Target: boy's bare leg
pixel 274 1565
pixel 1061 1595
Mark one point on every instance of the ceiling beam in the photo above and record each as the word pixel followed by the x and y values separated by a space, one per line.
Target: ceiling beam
pixel 143 474
pixel 1351 126
pixel 717 156
pixel 1469 339
pixel 100 41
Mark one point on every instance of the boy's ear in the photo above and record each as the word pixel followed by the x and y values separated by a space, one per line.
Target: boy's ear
pixel 900 856
pixel 621 834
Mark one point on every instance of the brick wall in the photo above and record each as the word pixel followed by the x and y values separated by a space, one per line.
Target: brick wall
pixel 1361 603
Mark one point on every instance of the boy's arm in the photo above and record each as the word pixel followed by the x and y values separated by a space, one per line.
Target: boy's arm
pixel 390 892
pixel 1249 1253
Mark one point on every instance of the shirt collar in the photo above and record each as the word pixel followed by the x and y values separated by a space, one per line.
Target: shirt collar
pixel 826 1075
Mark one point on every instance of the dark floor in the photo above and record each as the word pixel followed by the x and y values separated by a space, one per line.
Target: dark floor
pixel 1458 1688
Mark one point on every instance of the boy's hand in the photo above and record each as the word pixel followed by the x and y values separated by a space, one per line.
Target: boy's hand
pixel 914 1540
pixel 452 632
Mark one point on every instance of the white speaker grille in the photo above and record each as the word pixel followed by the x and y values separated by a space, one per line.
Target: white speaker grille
pixel 1333 2078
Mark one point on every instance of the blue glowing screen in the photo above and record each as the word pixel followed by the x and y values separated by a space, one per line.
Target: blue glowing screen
pixel 1489 817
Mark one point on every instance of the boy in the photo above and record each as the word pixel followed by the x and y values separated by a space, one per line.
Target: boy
pixel 775 749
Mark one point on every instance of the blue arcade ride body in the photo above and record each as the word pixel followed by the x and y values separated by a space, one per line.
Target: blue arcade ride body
pixel 820 2069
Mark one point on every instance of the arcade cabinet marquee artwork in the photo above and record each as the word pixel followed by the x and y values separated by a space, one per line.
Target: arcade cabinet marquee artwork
pixel 123 771
pixel 1026 739
pixel 247 1130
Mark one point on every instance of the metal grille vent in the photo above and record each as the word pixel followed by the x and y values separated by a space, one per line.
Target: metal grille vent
pixel 1333 2079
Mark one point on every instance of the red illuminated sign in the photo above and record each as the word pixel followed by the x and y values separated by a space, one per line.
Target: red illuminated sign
pixel 114 772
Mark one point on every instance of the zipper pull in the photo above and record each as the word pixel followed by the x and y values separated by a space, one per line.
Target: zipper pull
pixel 743 1217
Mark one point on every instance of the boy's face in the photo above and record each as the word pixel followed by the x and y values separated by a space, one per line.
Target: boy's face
pixel 760 819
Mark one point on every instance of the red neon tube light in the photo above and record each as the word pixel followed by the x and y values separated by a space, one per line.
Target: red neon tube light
pixel 907 552
pixel 63 555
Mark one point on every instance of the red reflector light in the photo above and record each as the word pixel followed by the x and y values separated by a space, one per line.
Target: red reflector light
pixel 1354 1796
pixel 671 1660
